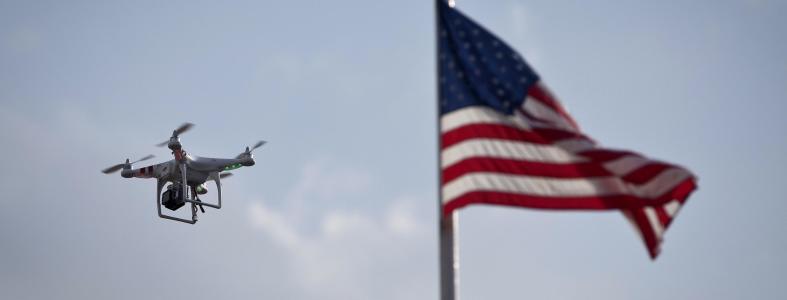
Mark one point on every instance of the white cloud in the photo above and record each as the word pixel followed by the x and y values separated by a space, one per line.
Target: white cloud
pixel 274 224
pixel 354 251
pixel 325 181
pixel 400 218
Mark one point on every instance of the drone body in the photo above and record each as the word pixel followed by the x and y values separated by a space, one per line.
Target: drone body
pixel 187 175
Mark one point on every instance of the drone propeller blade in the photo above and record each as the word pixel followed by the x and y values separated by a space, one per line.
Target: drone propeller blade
pixel 144 158
pixel 258 144
pixel 225 175
pixel 183 128
pixel 117 167
pixel 113 169
pixel 249 149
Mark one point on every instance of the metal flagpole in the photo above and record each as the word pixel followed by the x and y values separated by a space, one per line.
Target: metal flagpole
pixel 447 225
pixel 449 257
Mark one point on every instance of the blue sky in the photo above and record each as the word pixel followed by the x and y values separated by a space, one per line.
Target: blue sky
pixel 341 203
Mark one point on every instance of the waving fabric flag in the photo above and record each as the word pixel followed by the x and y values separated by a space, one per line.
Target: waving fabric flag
pixel 506 140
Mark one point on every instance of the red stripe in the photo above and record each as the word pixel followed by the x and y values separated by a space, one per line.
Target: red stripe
pixel 664 218
pixel 544 136
pixel 604 155
pixel 644 227
pixel 680 191
pixel 541 202
pixel 531 117
pixel 646 173
pixel 491 131
pixel 543 96
pixel 505 132
pixel 638 176
pixel 560 134
pixel 520 167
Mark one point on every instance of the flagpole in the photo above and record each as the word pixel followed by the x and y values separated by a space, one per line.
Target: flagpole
pixel 449 257
pixel 447 225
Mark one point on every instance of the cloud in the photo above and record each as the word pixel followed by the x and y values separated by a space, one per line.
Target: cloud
pixel 354 253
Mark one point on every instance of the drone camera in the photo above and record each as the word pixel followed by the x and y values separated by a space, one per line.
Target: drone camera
pixel 173 198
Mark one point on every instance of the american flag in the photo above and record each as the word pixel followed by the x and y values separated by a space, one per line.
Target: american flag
pixel 506 140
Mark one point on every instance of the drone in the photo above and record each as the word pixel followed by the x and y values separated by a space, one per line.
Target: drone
pixel 186 175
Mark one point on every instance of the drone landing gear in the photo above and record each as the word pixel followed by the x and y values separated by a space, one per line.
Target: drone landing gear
pixel 178 195
pixel 196 201
pixel 174 204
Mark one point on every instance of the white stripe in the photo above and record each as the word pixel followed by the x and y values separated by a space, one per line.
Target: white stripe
pixel 558 187
pixel 533 185
pixel 624 165
pixel 478 114
pixel 483 115
pixel 650 212
pixel 661 184
pixel 541 111
pixel 506 149
pixel 672 208
pixel 574 145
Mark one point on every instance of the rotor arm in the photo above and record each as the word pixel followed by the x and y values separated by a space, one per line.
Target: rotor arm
pixel 144 172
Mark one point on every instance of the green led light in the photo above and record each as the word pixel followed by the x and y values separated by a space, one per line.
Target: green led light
pixel 232 167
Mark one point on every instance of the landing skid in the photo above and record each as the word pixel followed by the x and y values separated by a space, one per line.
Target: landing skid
pixel 186 194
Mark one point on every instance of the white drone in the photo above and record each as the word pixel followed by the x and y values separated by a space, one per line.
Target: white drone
pixel 187 173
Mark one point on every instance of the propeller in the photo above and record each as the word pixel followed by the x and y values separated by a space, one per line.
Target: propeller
pixel 248 150
pixel 183 128
pixel 257 145
pixel 117 167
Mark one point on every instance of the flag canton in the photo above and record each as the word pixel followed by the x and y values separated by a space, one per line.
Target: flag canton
pixel 476 68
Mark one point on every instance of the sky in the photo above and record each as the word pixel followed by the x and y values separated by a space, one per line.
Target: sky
pixel 342 201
